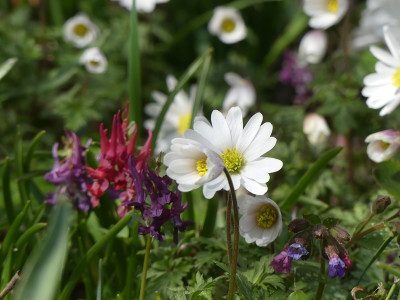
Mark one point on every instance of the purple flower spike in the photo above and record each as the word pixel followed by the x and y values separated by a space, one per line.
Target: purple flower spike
pixel 296 251
pixel 282 263
pixel 336 267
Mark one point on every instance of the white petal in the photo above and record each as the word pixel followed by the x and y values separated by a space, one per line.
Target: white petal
pixel 253 186
pixel 384 56
pixel 249 132
pixel 392 43
pixel 234 120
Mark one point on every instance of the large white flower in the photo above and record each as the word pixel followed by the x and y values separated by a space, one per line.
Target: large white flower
pixel 145 6
pixel 240 149
pixel 316 129
pixel 241 93
pixel 383 87
pixel 325 13
pixel 94 60
pixel 261 220
pixel 80 31
pixel 313 47
pixel 227 24
pixel 177 118
pixel 383 145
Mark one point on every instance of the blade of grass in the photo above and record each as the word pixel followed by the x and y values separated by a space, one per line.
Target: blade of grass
pixel 56 12
pixel 131 284
pixel 98 296
pixel 23 239
pixel 6 66
pixel 8 202
pixel 19 166
pixel 210 219
pixel 31 149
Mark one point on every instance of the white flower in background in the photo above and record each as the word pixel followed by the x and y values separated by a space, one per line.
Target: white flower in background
pixel 383 87
pixel 261 220
pixel 145 6
pixel 176 120
pixel 227 24
pixel 93 60
pixel 80 31
pixel 383 145
pixel 313 47
pixel 377 14
pixel 325 13
pixel 316 129
pixel 241 93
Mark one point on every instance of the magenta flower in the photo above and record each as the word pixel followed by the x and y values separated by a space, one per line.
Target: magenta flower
pixel 282 263
pixel 336 267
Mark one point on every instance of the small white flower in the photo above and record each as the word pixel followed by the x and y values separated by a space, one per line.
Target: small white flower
pixel 80 31
pixel 325 13
pixel 313 47
pixel 261 220
pixel 177 118
pixel 145 6
pixel 383 87
pixel 316 129
pixel 93 60
pixel 227 24
pixel 383 145
pixel 241 93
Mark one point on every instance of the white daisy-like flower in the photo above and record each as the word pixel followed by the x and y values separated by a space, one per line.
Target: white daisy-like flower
pixel 316 129
pixel 383 145
pixel 93 60
pixel 80 31
pixel 178 117
pixel 325 13
pixel 227 24
pixel 261 220
pixel 241 150
pixel 145 6
pixel 383 87
pixel 241 93
pixel 313 47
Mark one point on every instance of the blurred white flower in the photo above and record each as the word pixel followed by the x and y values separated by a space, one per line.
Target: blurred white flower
pixel 145 6
pixel 93 60
pixel 383 145
pixel 241 93
pixel 227 24
pixel 325 13
pixel 80 31
pixel 176 120
pixel 383 87
pixel 316 129
pixel 313 47
pixel 261 220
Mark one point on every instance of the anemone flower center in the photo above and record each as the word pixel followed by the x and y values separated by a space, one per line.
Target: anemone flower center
pixel 228 25
pixel 202 166
pixel 233 160
pixel 384 145
pixel 396 78
pixel 332 6
pixel 94 63
pixel 80 30
pixel 184 123
pixel 267 216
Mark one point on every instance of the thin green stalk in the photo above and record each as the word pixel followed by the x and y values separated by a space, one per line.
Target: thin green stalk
pixel 228 226
pixel 210 218
pixel 145 265
pixel 364 233
pixel 391 291
pixel 56 12
pixel 188 214
pixel 130 283
pixel 321 285
pixel 7 196
pixel 365 224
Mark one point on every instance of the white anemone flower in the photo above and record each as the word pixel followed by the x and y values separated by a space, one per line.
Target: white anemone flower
pixel 241 150
pixel 94 60
pixel 261 220
pixel 325 13
pixel 313 47
pixel 227 24
pixel 80 31
pixel 383 87
pixel 316 129
pixel 383 145
pixel 176 120
pixel 144 6
pixel 241 93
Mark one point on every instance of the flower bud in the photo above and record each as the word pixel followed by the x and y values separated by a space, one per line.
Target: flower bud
pixel 380 204
pixel 316 129
pixel 383 145
pixel 313 47
pixel 298 225
pixel 341 235
pixel 320 232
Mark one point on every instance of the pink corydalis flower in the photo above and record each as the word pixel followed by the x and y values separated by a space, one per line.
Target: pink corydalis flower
pixel 282 263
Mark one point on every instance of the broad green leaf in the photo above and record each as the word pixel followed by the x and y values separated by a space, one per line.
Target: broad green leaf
pixel 6 66
pixel 388 177
pixel 313 219
pixel 330 222
pixel 298 295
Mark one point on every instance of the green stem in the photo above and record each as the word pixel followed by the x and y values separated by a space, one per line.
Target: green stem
pixel 228 226
pixel 210 218
pixel 321 286
pixel 362 234
pixel 391 291
pixel 130 284
pixel 145 265
pixel 363 226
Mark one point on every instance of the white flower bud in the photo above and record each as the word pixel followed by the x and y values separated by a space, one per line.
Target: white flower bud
pixel 313 47
pixel 316 129
pixel 383 145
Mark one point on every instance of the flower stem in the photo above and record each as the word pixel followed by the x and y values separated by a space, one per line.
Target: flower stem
pixel 228 226
pixel 145 265
pixel 391 291
pixel 364 233
pixel 365 224
pixel 321 285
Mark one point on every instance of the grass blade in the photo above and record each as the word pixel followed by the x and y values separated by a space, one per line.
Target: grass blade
pixel 23 239
pixel 6 66
pixel 98 296
pixel 31 149
pixel 8 203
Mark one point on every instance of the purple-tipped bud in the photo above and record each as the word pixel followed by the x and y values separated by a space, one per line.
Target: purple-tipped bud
pixel 380 204
pixel 346 259
pixel 282 263
pixel 341 235
pixel 296 251
pixel 336 267
pixel 298 225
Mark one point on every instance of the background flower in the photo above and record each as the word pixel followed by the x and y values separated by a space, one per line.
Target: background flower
pixel 241 93
pixel 383 145
pixel 316 129
pixel 145 6
pixel 80 31
pixel 227 24
pixel 93 60
pixel 325 13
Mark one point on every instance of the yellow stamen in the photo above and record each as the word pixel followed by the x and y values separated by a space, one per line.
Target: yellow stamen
pixel 94 63
pixel 80 29
pixel 233 160
pixel 202 167
pixel 332 6
pixel 396 78
pixel 267 216
pixel 384 145
pixel 184 123
pixel 228 25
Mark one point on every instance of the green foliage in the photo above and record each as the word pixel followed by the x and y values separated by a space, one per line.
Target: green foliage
pixel 388 177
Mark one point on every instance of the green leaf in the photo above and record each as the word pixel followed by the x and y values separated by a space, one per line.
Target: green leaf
pixel 313 219
pixel 222 266
pixel 31 149
pixel 5 180
pixel 330 222
pixel 308 177
pixel 389 268
pixel 388 177
pixel 298 295
pixel 6 66
pixel 23 239
pixel 98 296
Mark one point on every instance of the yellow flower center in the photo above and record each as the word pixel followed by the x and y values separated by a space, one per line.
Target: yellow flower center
pixel 94 63
pixel 202 167
pixel 332 6
pixel 184 123
pixel 396 78
pixel 233 160
pixel 228 25
pixel 267 216
pixel 384 145
pixel 80 29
